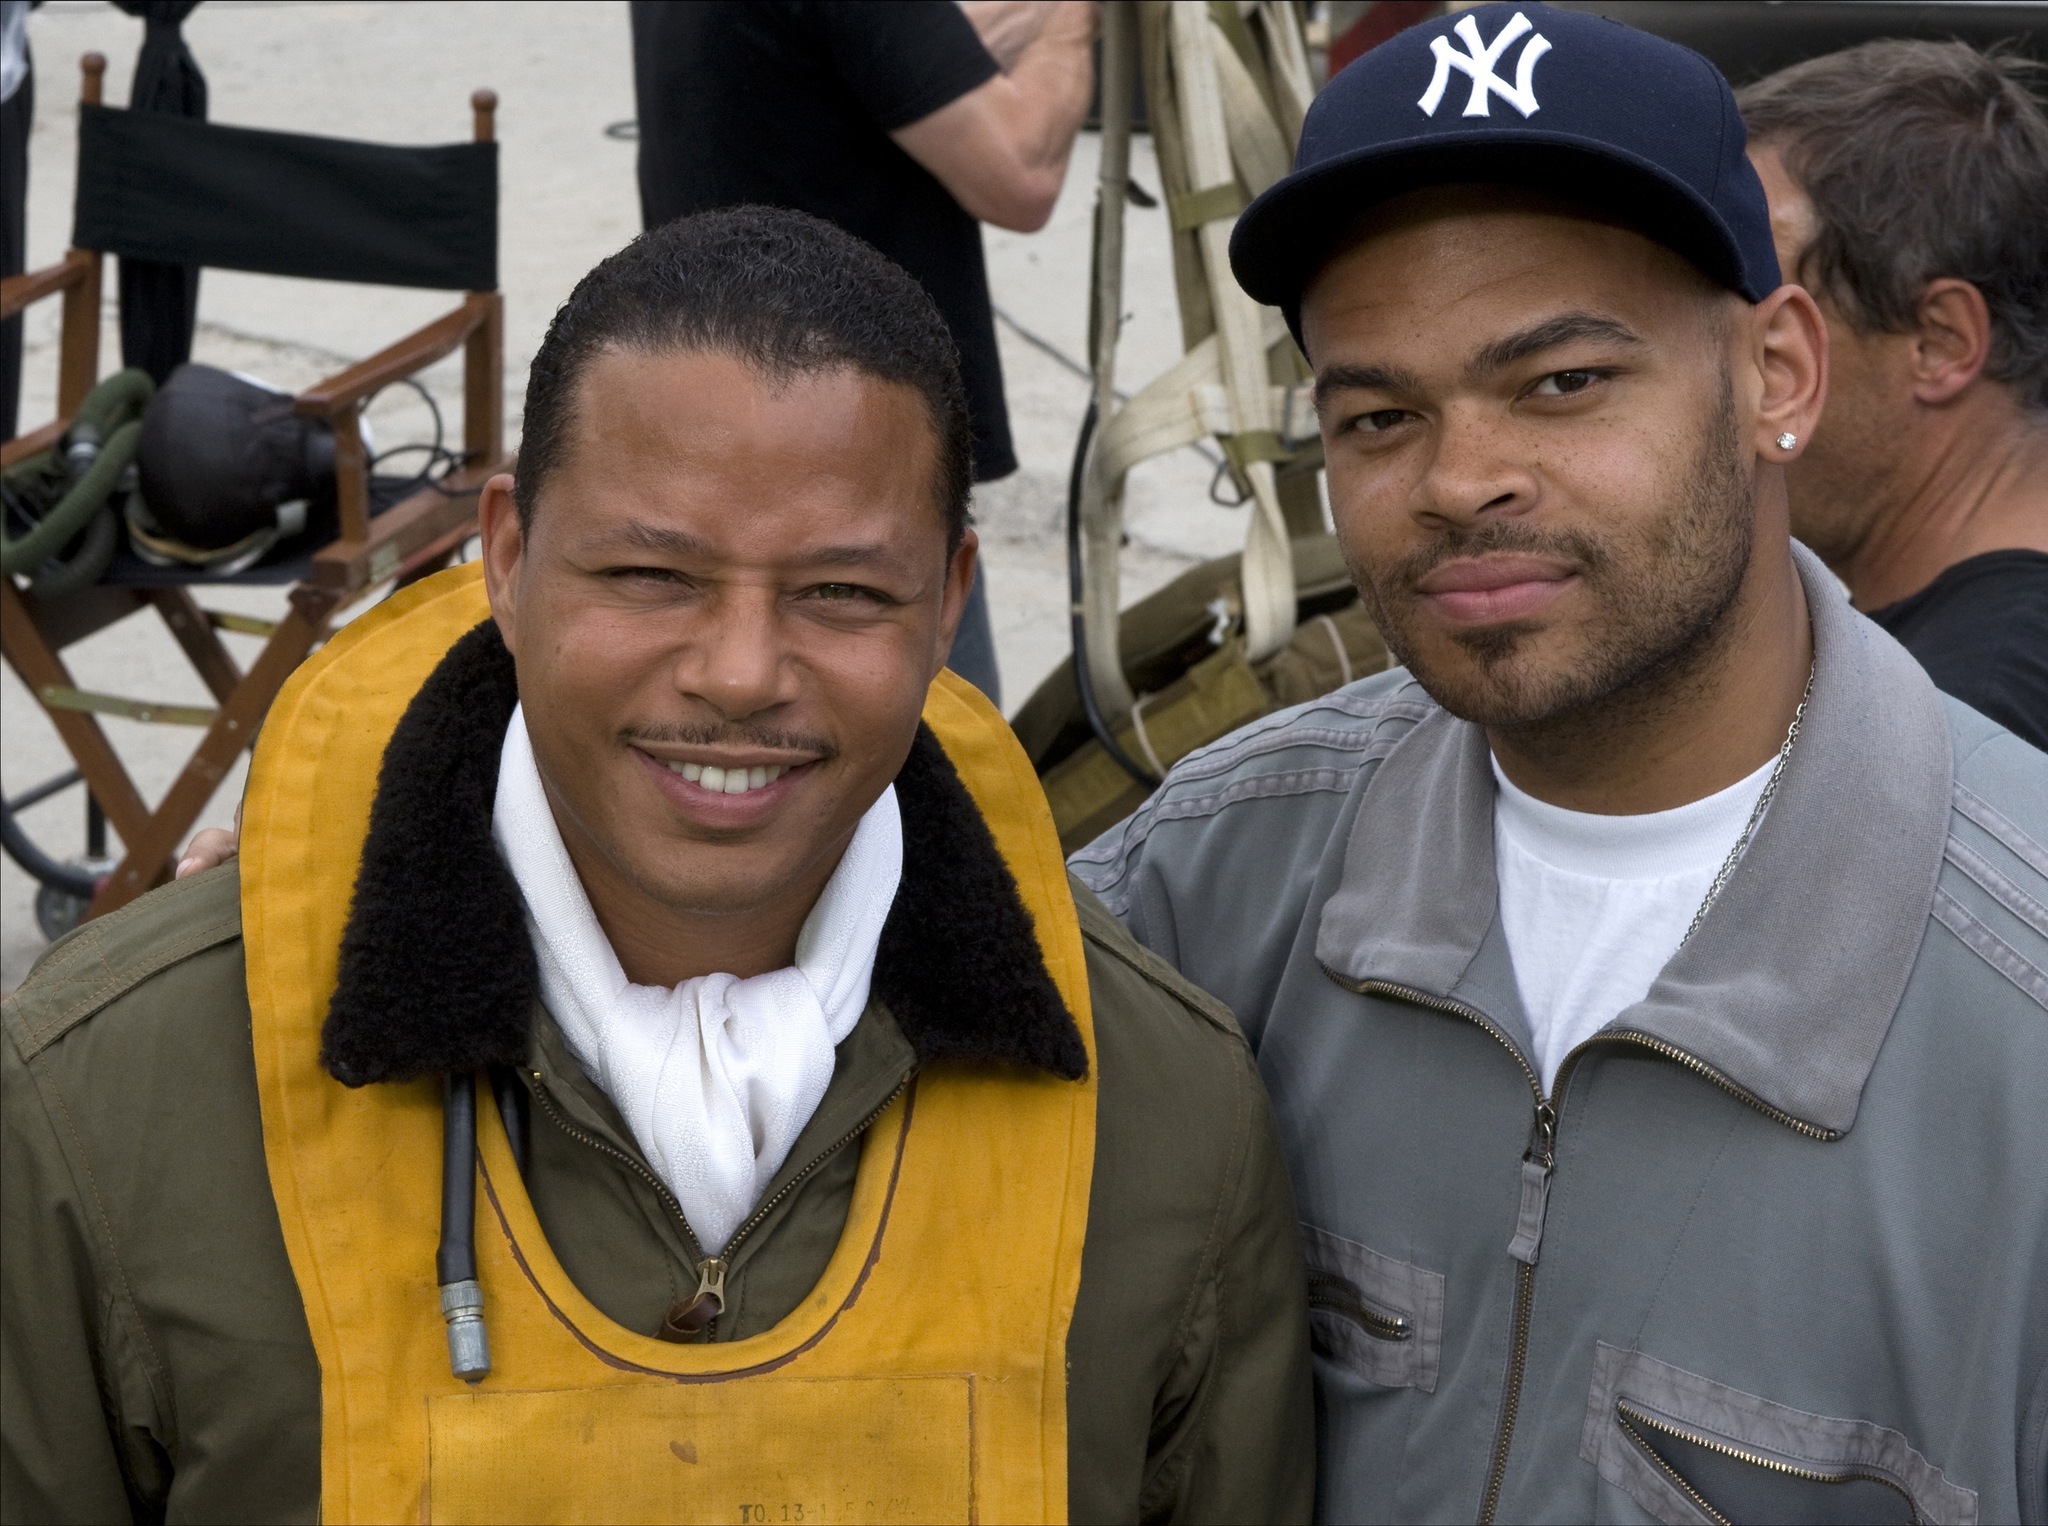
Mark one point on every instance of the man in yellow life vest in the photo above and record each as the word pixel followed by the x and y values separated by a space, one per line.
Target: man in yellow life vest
pixel 649 1061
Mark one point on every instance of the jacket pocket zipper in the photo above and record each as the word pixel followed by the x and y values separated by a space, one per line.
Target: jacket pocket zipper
pixel 1338 1296
pixel 1629 1418
pixel 1537 1164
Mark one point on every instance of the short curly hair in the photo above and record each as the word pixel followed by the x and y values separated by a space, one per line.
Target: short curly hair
pixel 786 293
pixel 1923 160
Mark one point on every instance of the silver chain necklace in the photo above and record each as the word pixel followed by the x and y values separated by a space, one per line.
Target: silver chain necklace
pixel 1763 803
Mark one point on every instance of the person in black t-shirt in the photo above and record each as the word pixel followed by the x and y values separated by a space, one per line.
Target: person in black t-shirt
pixel 1909 190
pixel 907 124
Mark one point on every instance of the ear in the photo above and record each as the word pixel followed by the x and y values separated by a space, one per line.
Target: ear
pixel 1951 339
pixel 953 599
pixel 504 549
pixel 1791 356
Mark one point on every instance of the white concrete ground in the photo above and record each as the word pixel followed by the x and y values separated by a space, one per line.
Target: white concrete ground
pixel 401 71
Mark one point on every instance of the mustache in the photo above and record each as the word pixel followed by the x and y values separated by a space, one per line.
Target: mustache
pixel 733 734
pixel 1582 551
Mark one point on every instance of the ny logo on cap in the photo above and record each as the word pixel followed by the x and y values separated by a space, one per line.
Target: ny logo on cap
pixel 1477 63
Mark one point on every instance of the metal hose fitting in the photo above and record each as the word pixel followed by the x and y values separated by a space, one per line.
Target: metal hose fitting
pixel 469 1346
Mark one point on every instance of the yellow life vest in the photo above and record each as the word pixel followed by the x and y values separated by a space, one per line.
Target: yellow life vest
pixel 923 1379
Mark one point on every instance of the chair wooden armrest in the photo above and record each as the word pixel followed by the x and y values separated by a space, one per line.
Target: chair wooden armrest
pixel 31 286
pixel 432 521
pixel 37 440
pixel 412 354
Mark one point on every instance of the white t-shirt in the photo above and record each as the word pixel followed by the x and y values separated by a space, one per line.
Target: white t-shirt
pixel 1594 906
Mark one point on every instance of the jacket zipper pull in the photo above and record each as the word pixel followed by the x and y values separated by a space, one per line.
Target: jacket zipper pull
pixel 691 1317
pixel 1536 1168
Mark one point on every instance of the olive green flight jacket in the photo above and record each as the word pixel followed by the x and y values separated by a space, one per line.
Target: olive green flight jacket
pixel 154 1356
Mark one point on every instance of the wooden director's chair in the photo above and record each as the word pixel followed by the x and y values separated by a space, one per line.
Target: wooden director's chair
pixel 185 192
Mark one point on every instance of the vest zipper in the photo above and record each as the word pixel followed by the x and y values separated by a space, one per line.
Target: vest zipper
pixel 1339 1297
pixel 1538 1162
pixel 711 1270
pixel 1628 1417
pixel 768 1203
pixel 660 1187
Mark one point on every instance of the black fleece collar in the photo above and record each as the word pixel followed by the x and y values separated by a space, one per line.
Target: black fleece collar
pixel 438 974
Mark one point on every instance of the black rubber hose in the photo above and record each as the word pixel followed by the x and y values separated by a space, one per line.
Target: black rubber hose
pixel 455 1261
pixel 511 1094
pixel 1082 681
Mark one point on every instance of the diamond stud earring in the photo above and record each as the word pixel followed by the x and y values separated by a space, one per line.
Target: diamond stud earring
pixel 1787 440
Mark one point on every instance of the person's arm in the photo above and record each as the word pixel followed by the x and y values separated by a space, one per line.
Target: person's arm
pixel 1001 149
pixel 1248 1453
pixel 1008 27
pixel 57 1455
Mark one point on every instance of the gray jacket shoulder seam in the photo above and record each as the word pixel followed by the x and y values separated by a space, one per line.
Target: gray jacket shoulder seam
pixel 1300 781
pixel 2001 887
pixel 2000 955
pixel 1975 808
pixel 1289 729
pixel 1366 742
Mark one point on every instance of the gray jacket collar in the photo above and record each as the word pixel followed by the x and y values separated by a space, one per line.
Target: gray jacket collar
pixel 1789 987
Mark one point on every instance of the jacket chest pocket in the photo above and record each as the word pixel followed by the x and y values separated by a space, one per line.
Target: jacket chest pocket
pixel 1690 1450
pixel 1380 1318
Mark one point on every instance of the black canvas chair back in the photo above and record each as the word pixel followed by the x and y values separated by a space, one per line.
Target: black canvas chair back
pixel 169 191
pixel 186 192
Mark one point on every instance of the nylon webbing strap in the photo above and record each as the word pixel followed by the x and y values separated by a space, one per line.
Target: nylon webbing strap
pixel 1200 55
pixel 1254 445
pixel 1211 204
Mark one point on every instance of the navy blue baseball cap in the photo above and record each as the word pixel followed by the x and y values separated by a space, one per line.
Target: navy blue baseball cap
pixel 1524 95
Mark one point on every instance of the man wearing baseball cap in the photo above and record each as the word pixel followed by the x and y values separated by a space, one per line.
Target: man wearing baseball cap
pixel 1651 975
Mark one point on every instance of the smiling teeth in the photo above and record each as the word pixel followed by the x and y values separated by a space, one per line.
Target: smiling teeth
pixel 728 781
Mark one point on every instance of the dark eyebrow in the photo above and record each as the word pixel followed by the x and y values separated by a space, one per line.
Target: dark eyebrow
pixel 1364 379
pixel 639 535
pixel 1563 329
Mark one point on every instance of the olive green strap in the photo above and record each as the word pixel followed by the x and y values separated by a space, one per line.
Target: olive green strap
pixel 1211 204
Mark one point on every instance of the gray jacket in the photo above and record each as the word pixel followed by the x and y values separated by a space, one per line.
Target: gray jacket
pixel 1776 1245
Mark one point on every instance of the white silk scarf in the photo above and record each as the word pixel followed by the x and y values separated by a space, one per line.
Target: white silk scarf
pixel 717 1076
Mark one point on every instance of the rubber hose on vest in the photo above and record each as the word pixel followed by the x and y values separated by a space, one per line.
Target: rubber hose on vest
pixel 462 1297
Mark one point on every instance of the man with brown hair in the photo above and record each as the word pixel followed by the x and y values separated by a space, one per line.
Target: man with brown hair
pixel 1908 184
